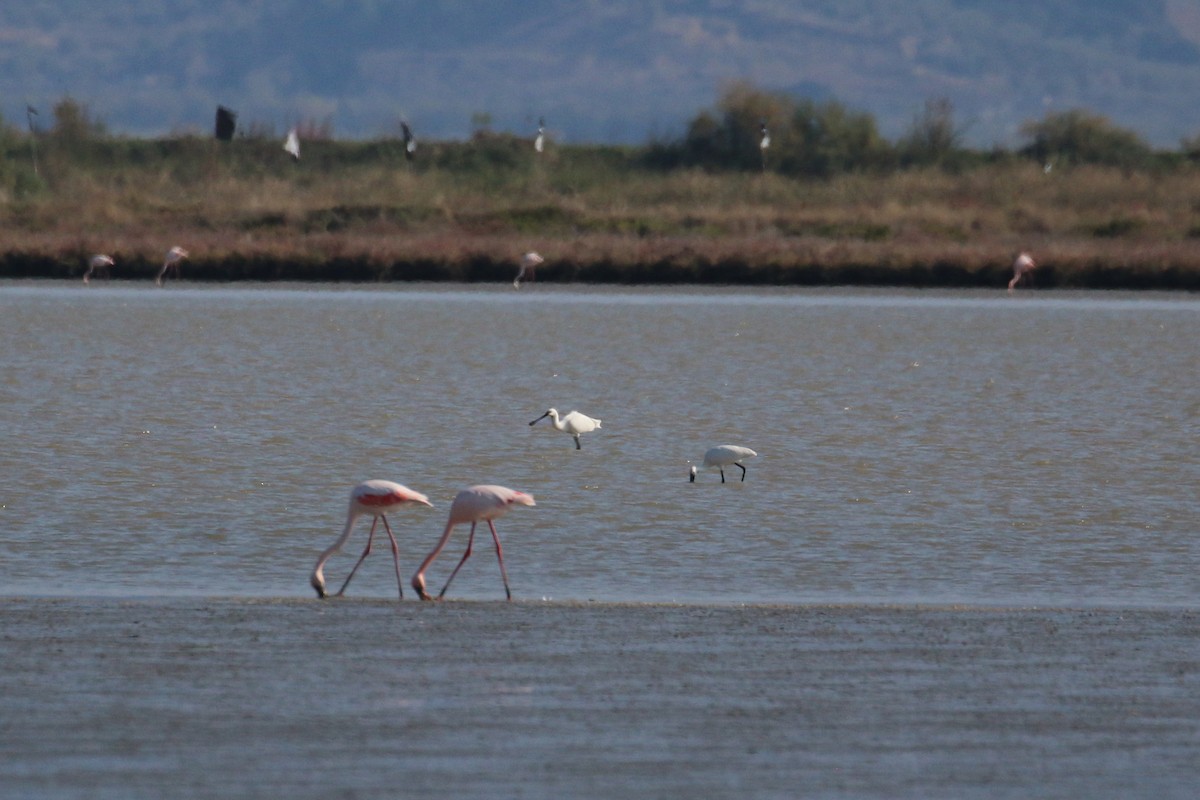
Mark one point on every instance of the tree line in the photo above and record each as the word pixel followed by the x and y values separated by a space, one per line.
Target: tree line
pixel 807 138
pixel 811 138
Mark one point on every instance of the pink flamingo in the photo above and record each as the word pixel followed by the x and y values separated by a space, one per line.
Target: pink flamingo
pixel 376 498
pixel 97 263
pixel 473 504
pixel 1022 266
pixel 529 263
pixel 174 256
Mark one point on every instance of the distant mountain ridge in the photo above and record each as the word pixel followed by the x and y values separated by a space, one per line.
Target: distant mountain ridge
pixel 611 71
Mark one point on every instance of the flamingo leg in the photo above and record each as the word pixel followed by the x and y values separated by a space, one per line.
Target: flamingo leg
pixel 366 551
pixel 743 470
pixel 466 555
pixel 500 557
pixel 395 555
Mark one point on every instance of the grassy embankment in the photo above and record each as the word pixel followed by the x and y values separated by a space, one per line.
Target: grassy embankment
pixel 358 211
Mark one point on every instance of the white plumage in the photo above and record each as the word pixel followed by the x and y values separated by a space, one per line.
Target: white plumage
pixel 723 456
pixel 573 423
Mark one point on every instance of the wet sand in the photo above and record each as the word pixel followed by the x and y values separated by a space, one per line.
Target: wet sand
pixel 106 698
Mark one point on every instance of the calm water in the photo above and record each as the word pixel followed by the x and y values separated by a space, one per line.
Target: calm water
pixel 914 446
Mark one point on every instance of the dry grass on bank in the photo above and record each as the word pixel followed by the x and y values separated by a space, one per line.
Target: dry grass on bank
pixel 371 222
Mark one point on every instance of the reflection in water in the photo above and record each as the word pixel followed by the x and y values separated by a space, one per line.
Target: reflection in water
pixel 912 446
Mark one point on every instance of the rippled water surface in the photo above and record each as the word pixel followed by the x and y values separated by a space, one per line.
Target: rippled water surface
pixel 913 446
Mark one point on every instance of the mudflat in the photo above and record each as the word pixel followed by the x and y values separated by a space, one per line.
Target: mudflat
pixel 196 697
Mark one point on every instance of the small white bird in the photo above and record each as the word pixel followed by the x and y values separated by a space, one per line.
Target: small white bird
pixel 722 456
pixel 1022 266
pixel 97 264
pixel 765 141
pixel 573 423
pixel 174 256
pixel 292 144
pixel 540 142
pixel 529 263
pixel 410 141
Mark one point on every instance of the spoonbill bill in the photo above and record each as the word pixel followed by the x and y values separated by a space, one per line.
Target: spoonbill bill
pixel 1022 266
pixel 474 504
pixel 174 256
pixel 723 456
pixel 374 498
pixel 98 263
pixel 292 144
pixel 529 263
pixel 573 423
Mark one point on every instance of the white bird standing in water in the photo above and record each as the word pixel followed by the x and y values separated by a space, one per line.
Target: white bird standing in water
pixel 573 423
pixel 474 504
pixel 292 144
pixel 1022 266
pixel 529 263
pixel 723 456
pixel 174 256
pixel 98 263
pixel 374 498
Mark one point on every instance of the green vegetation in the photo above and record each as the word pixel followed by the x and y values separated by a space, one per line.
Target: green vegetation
pixel 831 203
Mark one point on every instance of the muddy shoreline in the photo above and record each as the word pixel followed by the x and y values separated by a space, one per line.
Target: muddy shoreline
pixel 944 273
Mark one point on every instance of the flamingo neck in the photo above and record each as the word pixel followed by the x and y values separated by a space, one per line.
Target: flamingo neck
pixel 418 581
pixel 317 573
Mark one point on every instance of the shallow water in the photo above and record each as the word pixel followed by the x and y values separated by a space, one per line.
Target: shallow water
pixel 913 446
pixel 186 697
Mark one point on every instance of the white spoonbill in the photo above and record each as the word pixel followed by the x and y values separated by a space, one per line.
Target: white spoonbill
pixel 375 498
pixel 724 455
pixel 529 263
pixel 473 504
pixel 539 144
pixel 573 423
pixel 98 263
pixel 174 256
pixel 1022 266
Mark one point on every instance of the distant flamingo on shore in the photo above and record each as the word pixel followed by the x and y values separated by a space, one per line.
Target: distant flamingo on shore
pixel 529 263
pixel 375 498
pixel 97 264
pixel 174 256
pixel 474 504
pixel 1023 266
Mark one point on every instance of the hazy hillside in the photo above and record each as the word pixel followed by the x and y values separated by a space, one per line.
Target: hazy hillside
pixel 599 70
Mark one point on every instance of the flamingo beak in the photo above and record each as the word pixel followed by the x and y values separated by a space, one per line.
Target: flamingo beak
pixel 320 587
